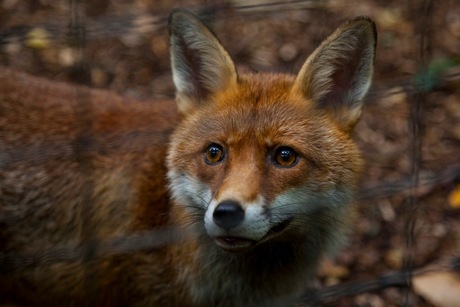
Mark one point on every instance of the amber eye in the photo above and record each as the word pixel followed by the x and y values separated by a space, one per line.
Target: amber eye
pixel 285 156
pixel 214 154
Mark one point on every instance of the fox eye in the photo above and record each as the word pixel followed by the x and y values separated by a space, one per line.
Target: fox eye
pixel 214 154
pixel 285 156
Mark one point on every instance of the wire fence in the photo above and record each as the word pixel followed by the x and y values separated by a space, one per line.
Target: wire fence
pixel 415 185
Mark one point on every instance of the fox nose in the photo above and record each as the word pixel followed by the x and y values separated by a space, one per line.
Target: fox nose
pixel 228 214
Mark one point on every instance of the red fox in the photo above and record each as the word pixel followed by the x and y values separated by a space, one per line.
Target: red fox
pixel 258 170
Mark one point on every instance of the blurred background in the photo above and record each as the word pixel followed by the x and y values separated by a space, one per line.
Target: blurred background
pixel 408 227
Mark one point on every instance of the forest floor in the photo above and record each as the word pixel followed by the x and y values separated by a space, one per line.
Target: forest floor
pixel 409 202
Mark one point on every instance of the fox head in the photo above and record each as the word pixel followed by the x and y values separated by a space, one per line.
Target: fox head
pixel 267 157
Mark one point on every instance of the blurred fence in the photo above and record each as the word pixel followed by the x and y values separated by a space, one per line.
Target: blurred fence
pixel 78 30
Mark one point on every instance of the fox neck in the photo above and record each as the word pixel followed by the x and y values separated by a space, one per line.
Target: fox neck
pixel 281 268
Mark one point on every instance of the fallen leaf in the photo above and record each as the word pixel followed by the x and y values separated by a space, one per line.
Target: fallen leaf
pixel 330 269
pixel 38 38
pixel 394 258
pixel 454 198
pixel 442 289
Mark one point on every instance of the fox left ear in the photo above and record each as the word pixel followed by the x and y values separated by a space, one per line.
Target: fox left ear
pixel 338 74
pixel 200 65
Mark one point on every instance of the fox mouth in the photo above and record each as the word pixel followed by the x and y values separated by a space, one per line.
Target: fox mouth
pixel 234 244
pixel 238 244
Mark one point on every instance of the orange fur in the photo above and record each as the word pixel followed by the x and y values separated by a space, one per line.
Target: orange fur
pixel 79 164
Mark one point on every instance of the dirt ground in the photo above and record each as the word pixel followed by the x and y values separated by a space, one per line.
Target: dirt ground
pixel 409 205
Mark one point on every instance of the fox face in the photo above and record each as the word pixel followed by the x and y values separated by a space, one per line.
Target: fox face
pixel 254 168
pixel 264 157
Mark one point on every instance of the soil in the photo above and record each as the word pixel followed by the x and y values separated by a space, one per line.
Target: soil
pixel 409 133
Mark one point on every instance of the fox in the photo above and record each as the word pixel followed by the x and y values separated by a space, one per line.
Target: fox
pixel 256 172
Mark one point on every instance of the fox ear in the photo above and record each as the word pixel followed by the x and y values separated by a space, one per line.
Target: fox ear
pixel 338 74
pixel 200 65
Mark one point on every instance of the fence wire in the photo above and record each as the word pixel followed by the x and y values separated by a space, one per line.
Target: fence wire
pixel 80 29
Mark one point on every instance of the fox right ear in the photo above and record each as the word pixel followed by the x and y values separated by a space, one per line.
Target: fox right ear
pixel 339 72
pixel 200 65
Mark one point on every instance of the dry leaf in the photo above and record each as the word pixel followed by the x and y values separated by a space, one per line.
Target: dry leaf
pixel 394 258
pixel 454 198
pixel 38 38
pixel 442 289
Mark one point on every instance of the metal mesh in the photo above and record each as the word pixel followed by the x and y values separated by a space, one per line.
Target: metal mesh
pixel 80 30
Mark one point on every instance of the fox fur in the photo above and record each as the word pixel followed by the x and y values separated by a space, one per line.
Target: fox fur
pixel 256 171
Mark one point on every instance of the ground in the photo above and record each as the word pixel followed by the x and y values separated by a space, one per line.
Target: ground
pixel 409 201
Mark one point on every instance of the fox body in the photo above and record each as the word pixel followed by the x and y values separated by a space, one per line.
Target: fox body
pixel 257 171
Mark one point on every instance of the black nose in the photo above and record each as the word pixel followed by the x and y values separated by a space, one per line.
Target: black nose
pixel 228 214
